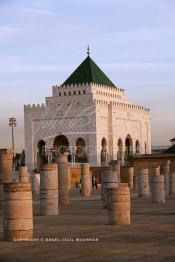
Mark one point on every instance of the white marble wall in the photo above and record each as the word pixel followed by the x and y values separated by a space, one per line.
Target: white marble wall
pixel 90 112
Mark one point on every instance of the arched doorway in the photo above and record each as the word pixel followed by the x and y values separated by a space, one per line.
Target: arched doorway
pixel 41 153
pixel 80 156
pixel 61 146
pixel 128 146
pixel 104 152
pixel 137 147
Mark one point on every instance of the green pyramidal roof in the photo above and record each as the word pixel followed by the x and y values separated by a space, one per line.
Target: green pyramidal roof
pixel 88 72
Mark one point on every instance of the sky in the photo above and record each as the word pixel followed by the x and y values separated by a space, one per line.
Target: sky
pixel 42 42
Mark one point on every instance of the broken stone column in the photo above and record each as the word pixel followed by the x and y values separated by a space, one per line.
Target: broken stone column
pixel 143 183
pixel 36 183
pixel 85 180
pixel 130 175
pixel 115 164
pixel 17 211
pixel 172 184
pixel 23 174
pixel 109 179
pixel 157 186
pixel 165 171
pixel 63 186
pixel 119 205
pixel 49 190
pixel 6 166
pixel 6 170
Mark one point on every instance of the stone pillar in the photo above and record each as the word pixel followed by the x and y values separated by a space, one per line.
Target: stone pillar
pixel 119 205
pixel 49 190
pixel 123 158
pixel 172 184
pixel 1 196
pixel 173 165
pixel 17 211
pixel 115 164
pixel 135 181
pixel 109 179
pixel 85 180
pixel 157 186
pixel 36 183
pixel 6 170
pixel 6 166
pixel 69 178
pixel 63 187
pixel 165 171
pixel 143 183
pixel 130 175
pixel 23 174
pixel 16 176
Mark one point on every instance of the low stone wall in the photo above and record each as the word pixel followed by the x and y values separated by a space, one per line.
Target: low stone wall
pixel 150 161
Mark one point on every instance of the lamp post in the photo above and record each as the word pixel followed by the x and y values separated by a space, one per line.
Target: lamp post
pixel 12 124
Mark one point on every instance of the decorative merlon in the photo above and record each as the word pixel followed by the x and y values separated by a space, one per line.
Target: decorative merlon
pixel 34 107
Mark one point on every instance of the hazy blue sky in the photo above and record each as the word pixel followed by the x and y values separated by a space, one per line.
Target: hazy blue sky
pixel 133 41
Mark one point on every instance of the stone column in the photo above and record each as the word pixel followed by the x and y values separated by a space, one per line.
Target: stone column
pixel 172 184
pixel 6 170
pixel 69 178
pixel 36 183
pixel 143 183
pixel 109 179
pixel 23 174
pixel 6 166
pixel 173 165
pixel 63 187
pixel 17 211
pixel 85 180
pixel 130 175
pixel 1 196
pixel 49 190
pixel 123 158
pixel 165 171
pixel 116 168
pixel 135 181
pixel 157 186
pixel 119 205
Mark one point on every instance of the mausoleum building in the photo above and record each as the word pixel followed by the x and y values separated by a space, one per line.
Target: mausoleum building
pixel 88 117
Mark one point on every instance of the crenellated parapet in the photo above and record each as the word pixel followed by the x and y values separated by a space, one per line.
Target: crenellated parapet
pixel 123 106
pixel 34 107
pixel 132 107
pixel 85 88
pixel 60 90
pixel 116 89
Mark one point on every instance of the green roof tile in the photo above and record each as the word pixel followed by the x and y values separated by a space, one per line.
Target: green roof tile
pixel 171 149
pixel 88 72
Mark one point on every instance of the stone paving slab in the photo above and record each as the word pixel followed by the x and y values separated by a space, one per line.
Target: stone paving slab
pixel 82 234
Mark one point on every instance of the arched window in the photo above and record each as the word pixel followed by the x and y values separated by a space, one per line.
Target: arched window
pixel 104 152
pixel 137 147
pixel 129 146
pixel 145 148
pixel 61 146
pixel 120 150
pixel 41 153
pixel 81 155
